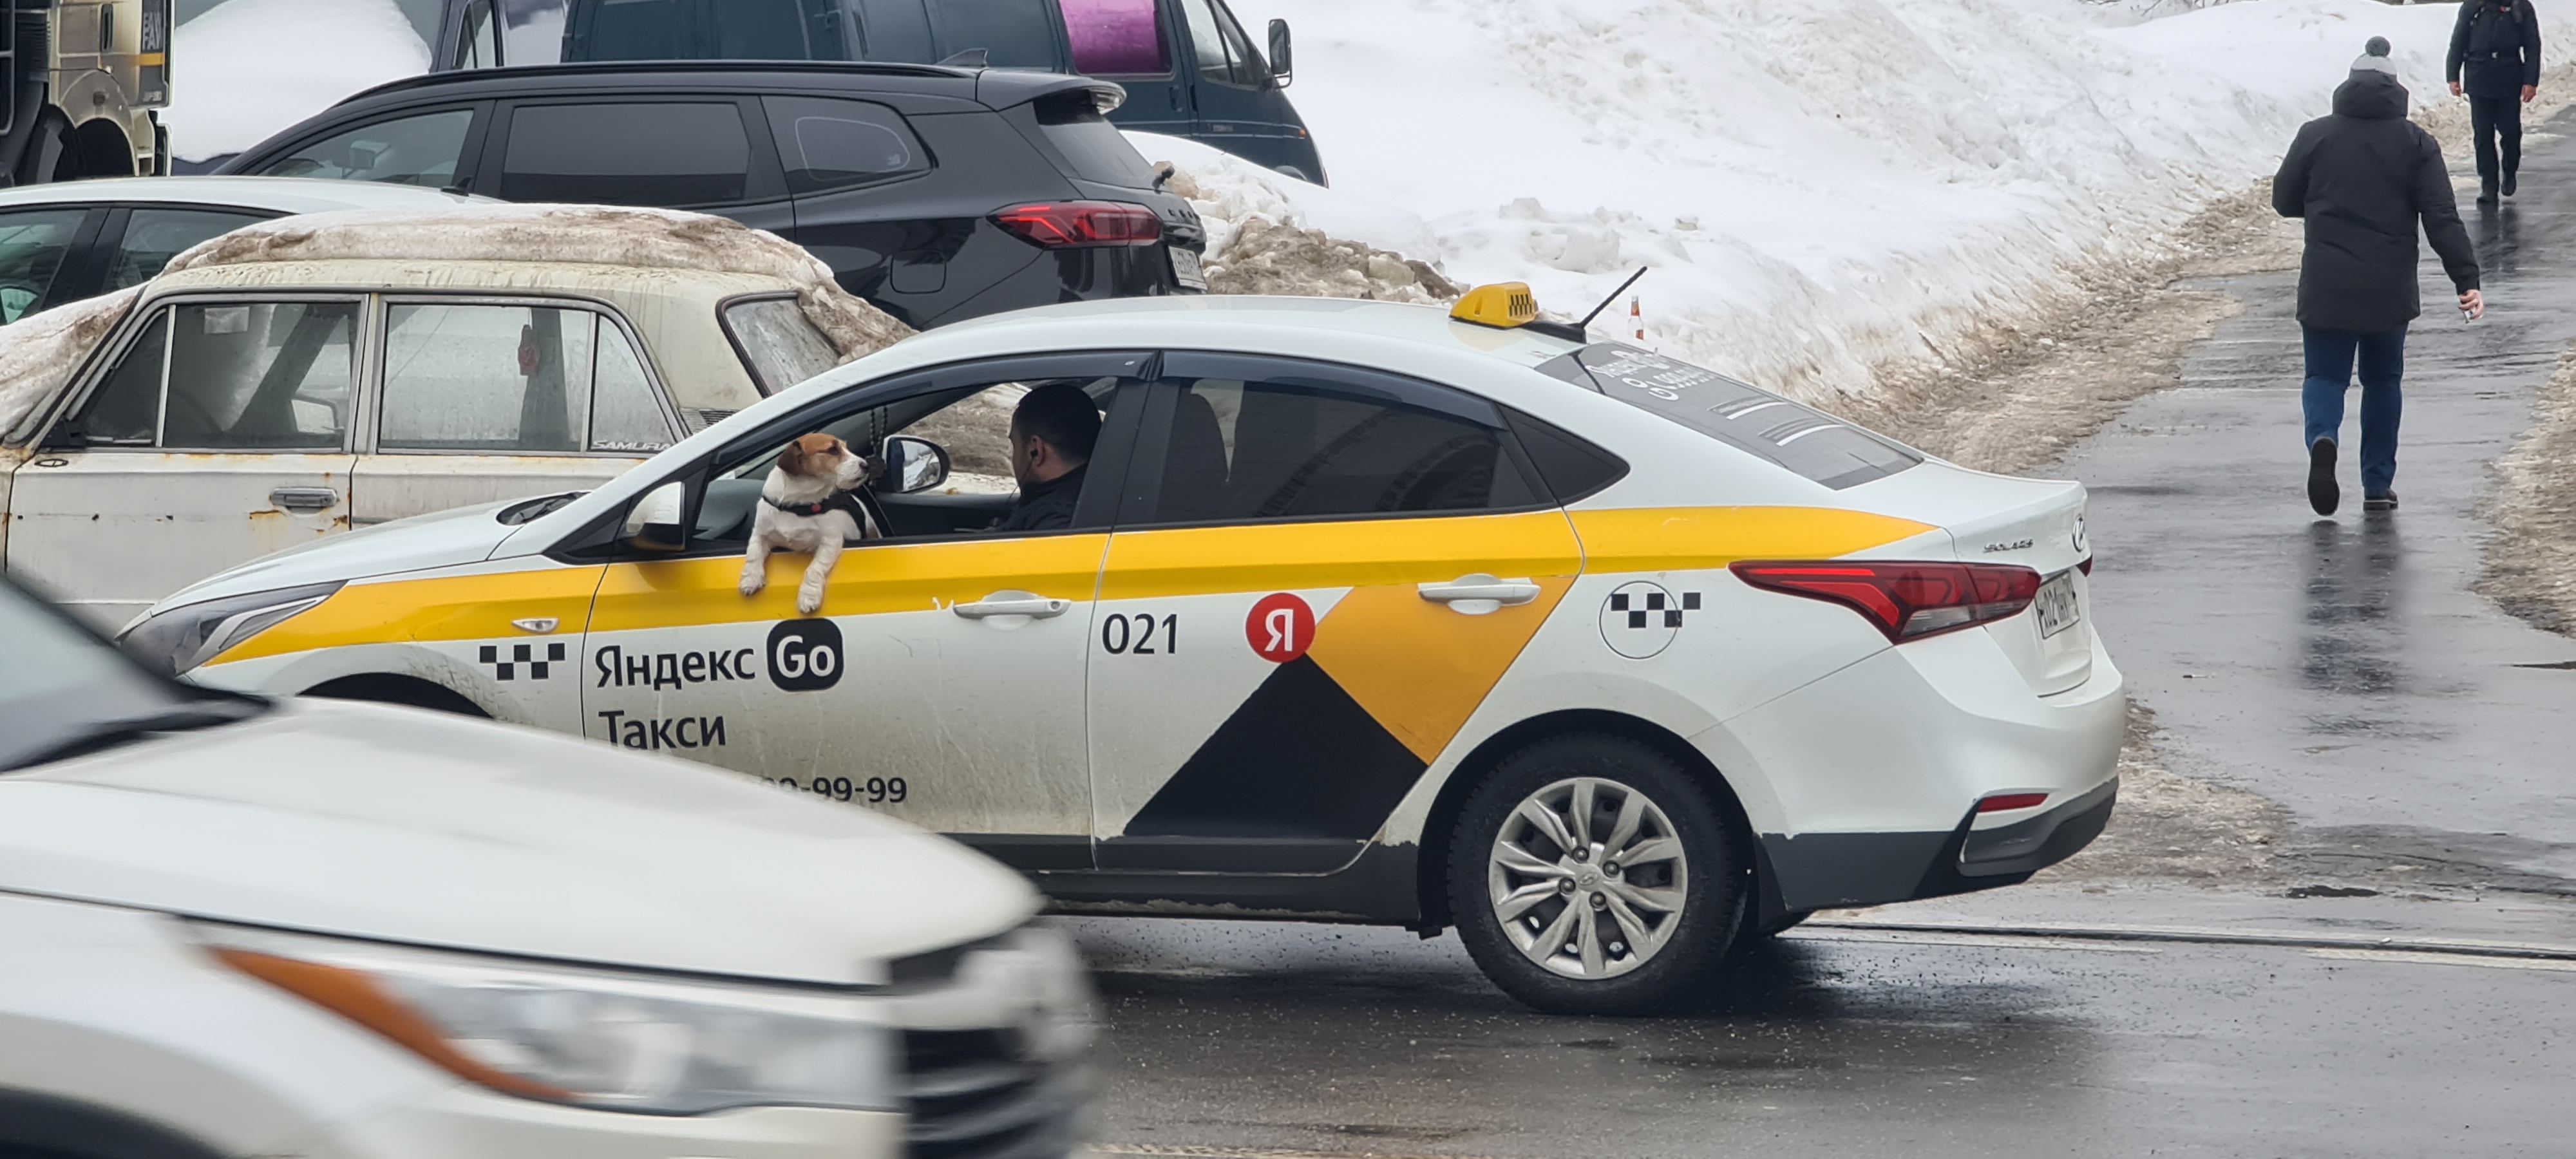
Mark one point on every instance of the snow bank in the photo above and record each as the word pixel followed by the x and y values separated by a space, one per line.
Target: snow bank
pixel 247 68
pixel 594 234
pixel 38 353
pixel 1823 191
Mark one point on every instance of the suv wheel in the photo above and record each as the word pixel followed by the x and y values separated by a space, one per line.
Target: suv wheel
pixel 1591 875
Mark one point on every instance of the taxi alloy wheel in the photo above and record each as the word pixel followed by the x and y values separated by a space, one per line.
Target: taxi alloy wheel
pixel 1588 878
pixel 1591 874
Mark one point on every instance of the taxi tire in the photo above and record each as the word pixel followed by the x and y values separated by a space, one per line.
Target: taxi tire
pixel 1678 976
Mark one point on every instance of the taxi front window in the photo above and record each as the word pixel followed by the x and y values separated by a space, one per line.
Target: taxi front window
pixel 1799 438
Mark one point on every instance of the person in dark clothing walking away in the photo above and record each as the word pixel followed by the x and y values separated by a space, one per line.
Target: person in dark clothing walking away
pixel 2495 62
pixel 2362 178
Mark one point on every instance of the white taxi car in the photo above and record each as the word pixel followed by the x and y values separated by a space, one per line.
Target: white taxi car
pixel 300 377
pixel 1367 613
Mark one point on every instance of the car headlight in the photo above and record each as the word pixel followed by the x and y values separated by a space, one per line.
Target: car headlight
pixel 592 1038
pixel 183 637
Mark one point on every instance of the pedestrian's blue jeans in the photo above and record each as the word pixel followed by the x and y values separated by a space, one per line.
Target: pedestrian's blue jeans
pixel 2383 362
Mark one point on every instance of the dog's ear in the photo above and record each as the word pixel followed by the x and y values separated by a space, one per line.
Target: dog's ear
pixel 791 458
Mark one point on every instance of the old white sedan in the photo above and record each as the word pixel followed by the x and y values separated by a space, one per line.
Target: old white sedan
pixel 302 377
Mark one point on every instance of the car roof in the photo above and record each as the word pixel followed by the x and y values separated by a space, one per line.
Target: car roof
pixel 1333 329
pixel 282 194
pixel 993 87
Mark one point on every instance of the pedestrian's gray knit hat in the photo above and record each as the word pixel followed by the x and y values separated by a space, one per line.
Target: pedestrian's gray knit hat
pixel 2374 56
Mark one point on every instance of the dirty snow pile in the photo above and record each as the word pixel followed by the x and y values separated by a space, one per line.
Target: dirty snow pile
pixel 1823 191
pixel 247 68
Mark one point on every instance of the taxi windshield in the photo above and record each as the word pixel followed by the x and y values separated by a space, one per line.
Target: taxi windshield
pixel 1799 438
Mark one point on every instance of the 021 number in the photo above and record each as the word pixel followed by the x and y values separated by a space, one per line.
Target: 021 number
pixel 1124 634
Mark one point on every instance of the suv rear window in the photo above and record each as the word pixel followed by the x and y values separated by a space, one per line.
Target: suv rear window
pixel 1092 148
pixel 1800 438
pixel 831 144
pixel 661 154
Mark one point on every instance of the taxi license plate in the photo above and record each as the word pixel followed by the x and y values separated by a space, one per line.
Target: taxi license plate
pixel 2055 605
pixel 1186 269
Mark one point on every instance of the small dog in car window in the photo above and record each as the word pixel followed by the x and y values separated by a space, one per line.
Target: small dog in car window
pixel 809 503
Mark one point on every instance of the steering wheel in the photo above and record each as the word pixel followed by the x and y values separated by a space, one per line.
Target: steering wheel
pixel 866 494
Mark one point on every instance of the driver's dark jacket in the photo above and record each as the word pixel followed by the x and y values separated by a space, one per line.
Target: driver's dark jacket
pixel 1045 506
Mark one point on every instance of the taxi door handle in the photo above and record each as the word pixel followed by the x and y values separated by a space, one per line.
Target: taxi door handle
pixel 1477 594
pixel 1035 607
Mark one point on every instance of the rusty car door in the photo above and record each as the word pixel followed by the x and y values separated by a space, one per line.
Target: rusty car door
pixel 218 433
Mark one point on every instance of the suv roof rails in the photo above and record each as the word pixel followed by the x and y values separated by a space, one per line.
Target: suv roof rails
pixel 599 67
pixel 997 88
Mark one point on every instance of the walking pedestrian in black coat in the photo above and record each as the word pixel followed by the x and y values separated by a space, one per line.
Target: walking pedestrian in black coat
pixel 2495 62
pixel 2361 179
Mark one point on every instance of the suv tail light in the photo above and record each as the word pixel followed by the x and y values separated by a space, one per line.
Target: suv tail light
pixel 1072 224
pixel 1908 601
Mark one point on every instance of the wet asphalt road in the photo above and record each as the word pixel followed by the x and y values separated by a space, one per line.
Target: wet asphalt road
pixel 1260 1038
pixel 2341 666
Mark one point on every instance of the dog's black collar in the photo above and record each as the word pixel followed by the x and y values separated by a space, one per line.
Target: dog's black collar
pixel 800 508
pixel 836 501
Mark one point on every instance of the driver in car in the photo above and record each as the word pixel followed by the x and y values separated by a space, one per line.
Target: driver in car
pixel 1052 431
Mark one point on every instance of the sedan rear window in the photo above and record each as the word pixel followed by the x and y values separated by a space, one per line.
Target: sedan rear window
pixel 778 345
pixel 1746 417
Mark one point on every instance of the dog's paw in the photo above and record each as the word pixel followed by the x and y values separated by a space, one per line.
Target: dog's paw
pixel 808 602
pixel 752 581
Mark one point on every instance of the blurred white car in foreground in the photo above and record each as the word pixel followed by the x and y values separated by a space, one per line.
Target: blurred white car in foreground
pixel 237 927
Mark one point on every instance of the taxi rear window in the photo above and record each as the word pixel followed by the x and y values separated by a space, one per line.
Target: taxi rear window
pixel 1799 438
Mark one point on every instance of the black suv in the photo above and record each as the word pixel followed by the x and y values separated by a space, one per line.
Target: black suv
pixel 939 194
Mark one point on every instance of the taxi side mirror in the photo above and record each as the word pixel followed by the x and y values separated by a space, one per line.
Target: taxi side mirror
pixel 1283 66
pixel 914 464
pixel 653 524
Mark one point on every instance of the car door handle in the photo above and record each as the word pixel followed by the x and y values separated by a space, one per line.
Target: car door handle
pixel 304 498
pixel 1480 593
pixel 1035 607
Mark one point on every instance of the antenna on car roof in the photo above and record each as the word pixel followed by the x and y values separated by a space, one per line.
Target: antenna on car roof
pixel 1614 296
pixel 1581 331
pixel 971 58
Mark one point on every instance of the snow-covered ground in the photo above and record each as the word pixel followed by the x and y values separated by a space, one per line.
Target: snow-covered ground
pixel 1823 191
pixel 247 68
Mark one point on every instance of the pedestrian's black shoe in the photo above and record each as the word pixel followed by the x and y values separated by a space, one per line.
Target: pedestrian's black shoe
pixel 2385 501
pixel 2486 193
pixel 2508 184
pixel 2322 492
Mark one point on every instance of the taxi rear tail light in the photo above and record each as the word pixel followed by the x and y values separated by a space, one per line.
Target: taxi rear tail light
pixel 2007 802
pixel 1082 224
pixel 1907 601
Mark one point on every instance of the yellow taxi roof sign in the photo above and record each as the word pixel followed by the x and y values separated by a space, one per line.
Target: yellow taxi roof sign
pixel 1502 305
